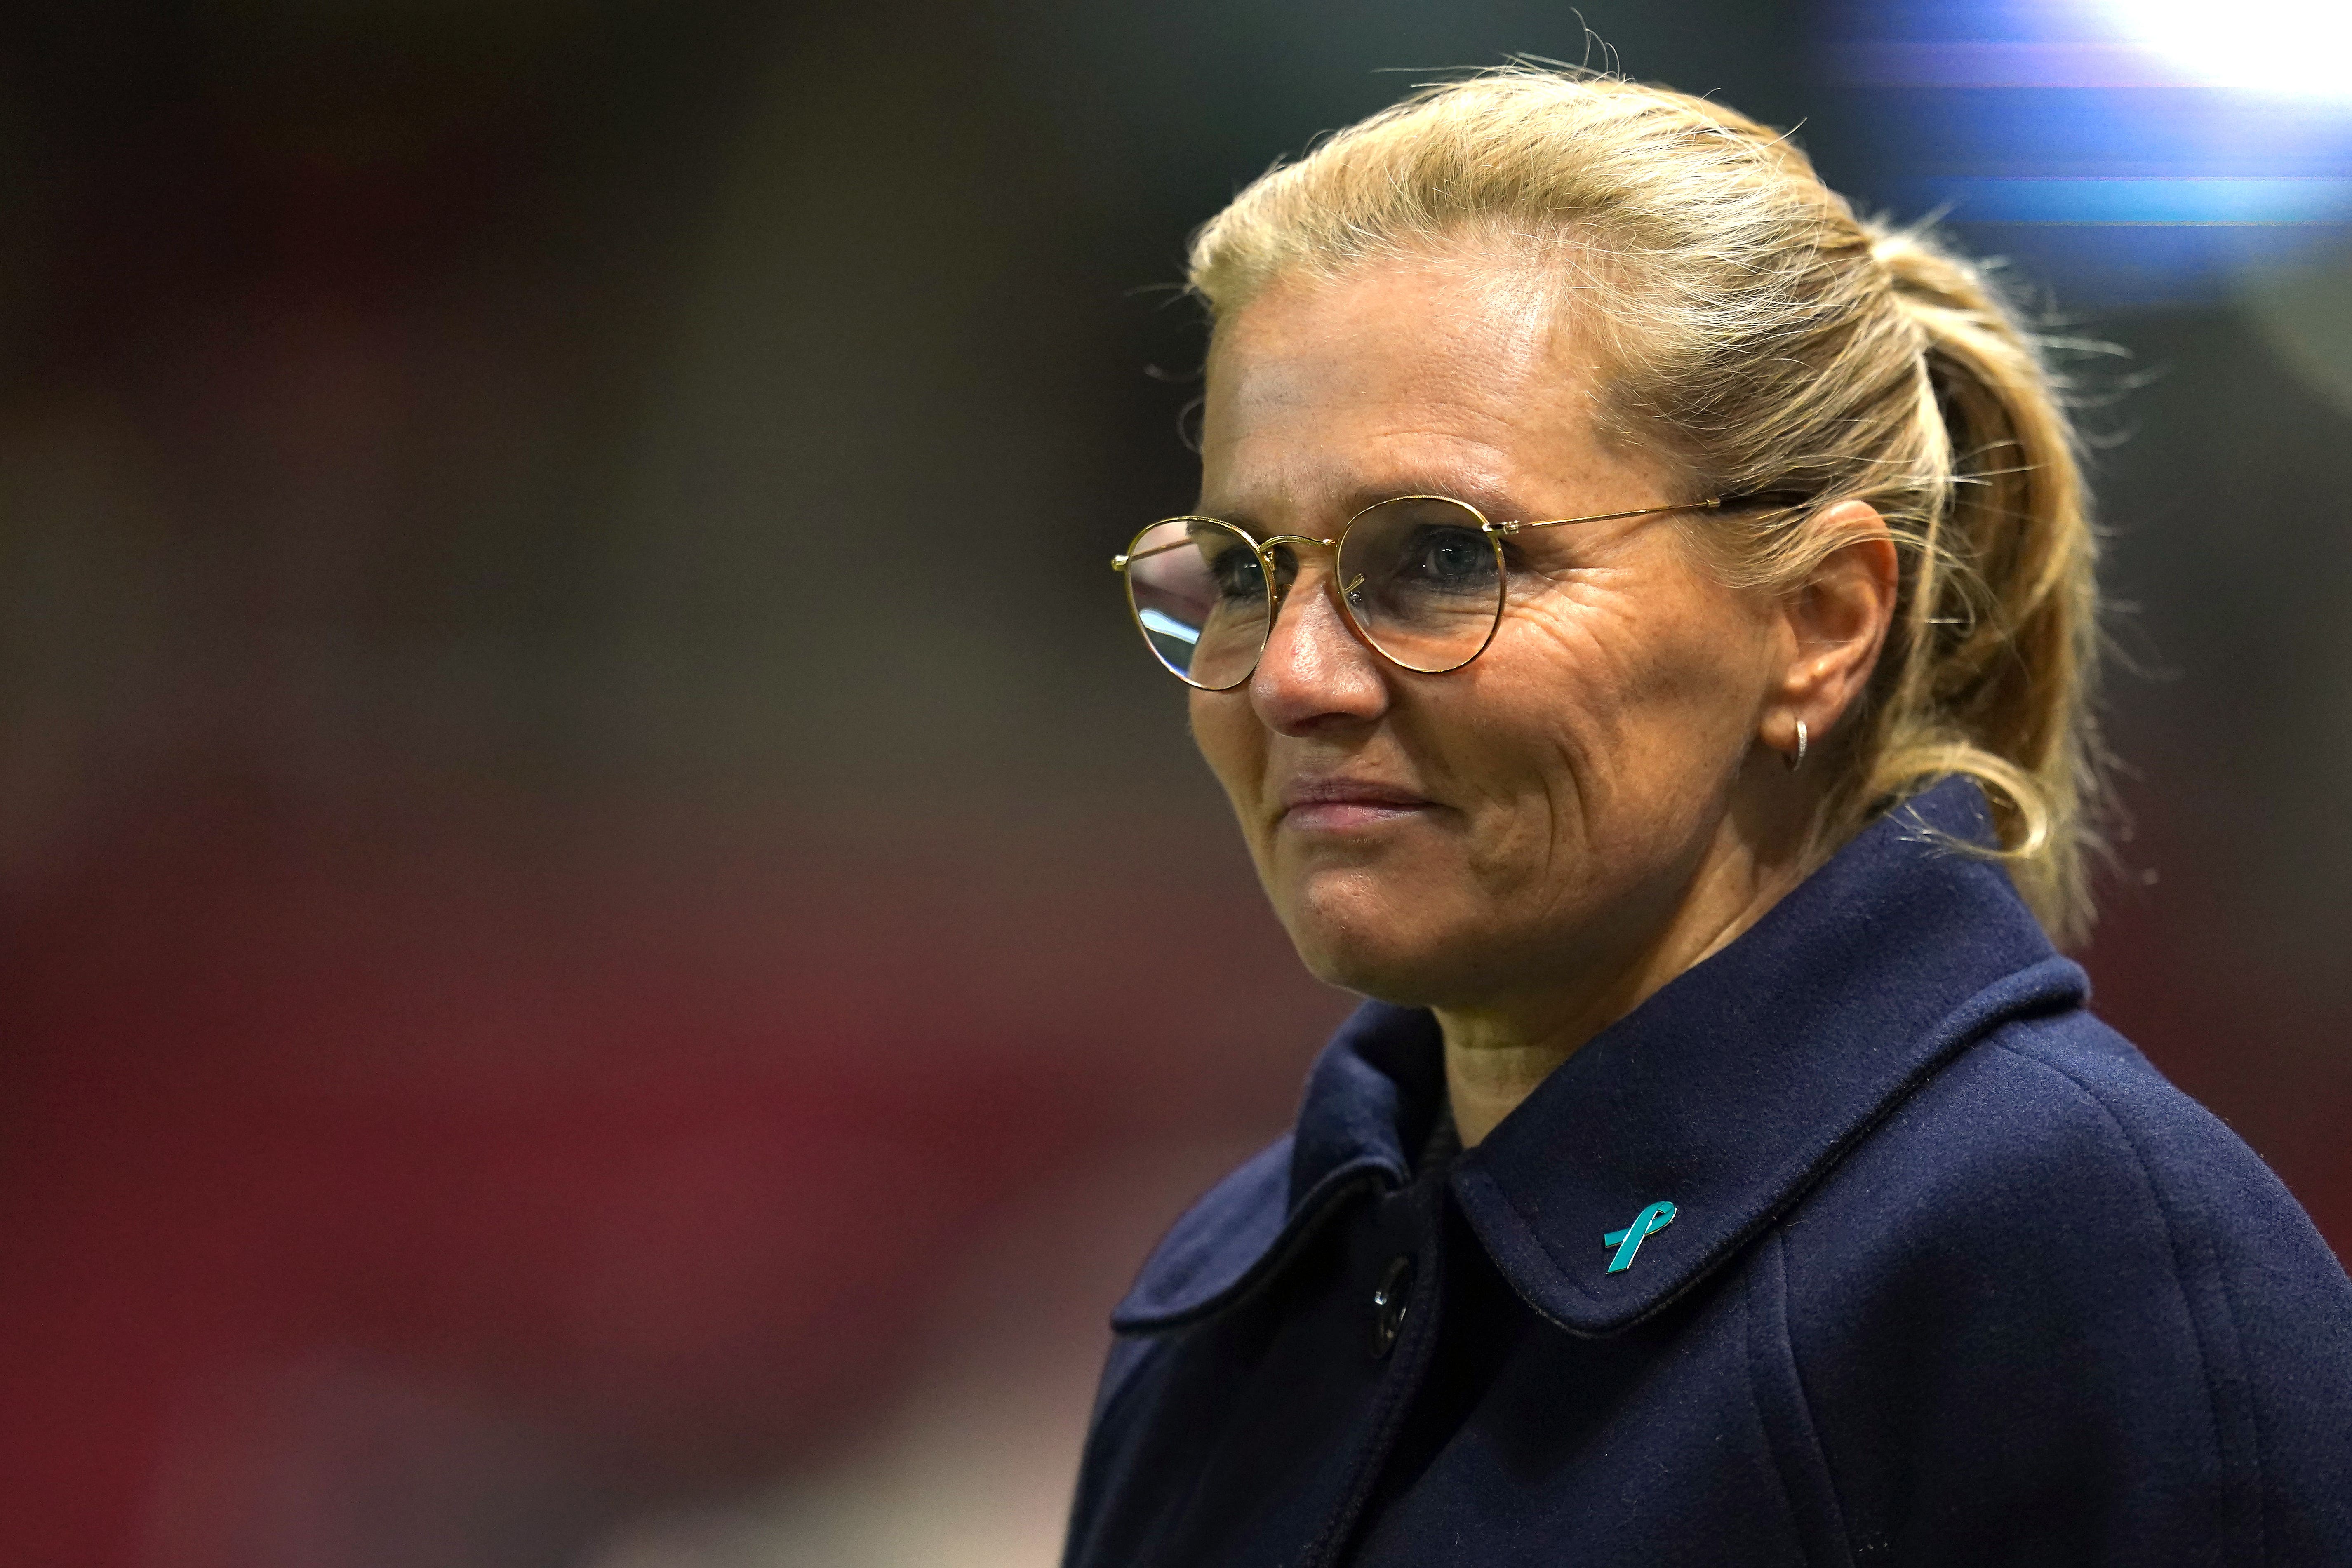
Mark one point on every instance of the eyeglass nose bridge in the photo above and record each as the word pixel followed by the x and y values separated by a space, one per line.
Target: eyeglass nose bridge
pixel 1265 546
pixel 1282 589
pixel 1342 593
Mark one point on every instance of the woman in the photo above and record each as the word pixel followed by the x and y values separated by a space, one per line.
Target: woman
pixel 1642 617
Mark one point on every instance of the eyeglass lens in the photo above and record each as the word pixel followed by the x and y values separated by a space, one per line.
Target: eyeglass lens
pixel 1199 591
pixel 1422 579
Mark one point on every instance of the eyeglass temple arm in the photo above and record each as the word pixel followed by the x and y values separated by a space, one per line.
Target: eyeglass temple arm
pixel 1118 563
pixel 1712 503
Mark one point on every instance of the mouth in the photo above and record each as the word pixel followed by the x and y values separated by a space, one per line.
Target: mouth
pixel 1342 805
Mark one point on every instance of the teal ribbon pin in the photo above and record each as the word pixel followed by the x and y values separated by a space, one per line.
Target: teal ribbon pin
pixel 1628 1241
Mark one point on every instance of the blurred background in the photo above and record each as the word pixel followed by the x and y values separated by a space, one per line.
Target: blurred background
pixel 601 923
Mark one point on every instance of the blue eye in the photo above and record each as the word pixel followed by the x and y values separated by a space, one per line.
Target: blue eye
pixel 1443 558
pixel 1238 573
pixel 1450 555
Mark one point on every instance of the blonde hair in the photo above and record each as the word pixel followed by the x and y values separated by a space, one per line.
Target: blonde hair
pixel 1764 339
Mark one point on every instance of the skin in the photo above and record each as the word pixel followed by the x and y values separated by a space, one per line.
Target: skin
pixel 1532 845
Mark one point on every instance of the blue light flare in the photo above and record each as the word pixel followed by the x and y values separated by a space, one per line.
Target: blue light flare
pixel 2200 200
pixel 2275 47
pixel 2120 152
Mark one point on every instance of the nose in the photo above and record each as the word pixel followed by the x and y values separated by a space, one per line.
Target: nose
pixel 1316 674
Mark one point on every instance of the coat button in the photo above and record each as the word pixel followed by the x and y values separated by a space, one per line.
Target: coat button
pixel 1389 1306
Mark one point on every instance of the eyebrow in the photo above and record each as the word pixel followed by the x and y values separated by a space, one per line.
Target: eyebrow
pixel 1493 503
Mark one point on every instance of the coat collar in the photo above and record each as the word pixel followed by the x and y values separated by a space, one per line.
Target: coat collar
pixel 1728 1094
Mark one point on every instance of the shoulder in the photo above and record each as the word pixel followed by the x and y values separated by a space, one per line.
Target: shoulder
pixel 2050 1253
pixel 2053 1149
pixel 1215 1246
pixel 2060 1120
pixel 2267 1301
pixel 1205 1258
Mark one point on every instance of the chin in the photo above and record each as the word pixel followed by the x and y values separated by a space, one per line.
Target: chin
pixel 1382 944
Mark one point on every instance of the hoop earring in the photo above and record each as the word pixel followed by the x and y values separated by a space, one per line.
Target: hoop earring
pixel 1799 759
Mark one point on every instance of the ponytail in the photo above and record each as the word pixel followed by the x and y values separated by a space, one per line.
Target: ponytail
pixel 1992 668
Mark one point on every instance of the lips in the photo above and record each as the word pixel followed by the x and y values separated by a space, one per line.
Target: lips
pixel 1338 804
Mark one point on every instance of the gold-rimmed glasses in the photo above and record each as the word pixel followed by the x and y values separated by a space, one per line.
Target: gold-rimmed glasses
pixel 1421 579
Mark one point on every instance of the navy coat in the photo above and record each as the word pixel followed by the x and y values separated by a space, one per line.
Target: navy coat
pixel 1952 1276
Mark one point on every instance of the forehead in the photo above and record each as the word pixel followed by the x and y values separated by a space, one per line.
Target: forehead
pixel 1459 374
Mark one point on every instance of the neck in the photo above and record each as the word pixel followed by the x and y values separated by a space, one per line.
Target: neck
pixel 1496 1054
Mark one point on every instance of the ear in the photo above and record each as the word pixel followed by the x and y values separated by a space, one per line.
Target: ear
pixel 1836 621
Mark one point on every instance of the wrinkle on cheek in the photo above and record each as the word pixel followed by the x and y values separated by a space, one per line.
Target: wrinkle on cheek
pixel 1557 888
pixel 1592 675
pixel 1587 653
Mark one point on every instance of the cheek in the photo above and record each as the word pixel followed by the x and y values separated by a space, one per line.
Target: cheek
pixel 1232 743
pixel 1550 710
pixel 1610 704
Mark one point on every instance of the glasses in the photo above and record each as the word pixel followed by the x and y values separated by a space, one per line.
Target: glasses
pixel 1422 581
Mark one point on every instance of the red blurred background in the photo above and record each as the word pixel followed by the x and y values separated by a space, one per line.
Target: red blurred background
pixel 608 954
